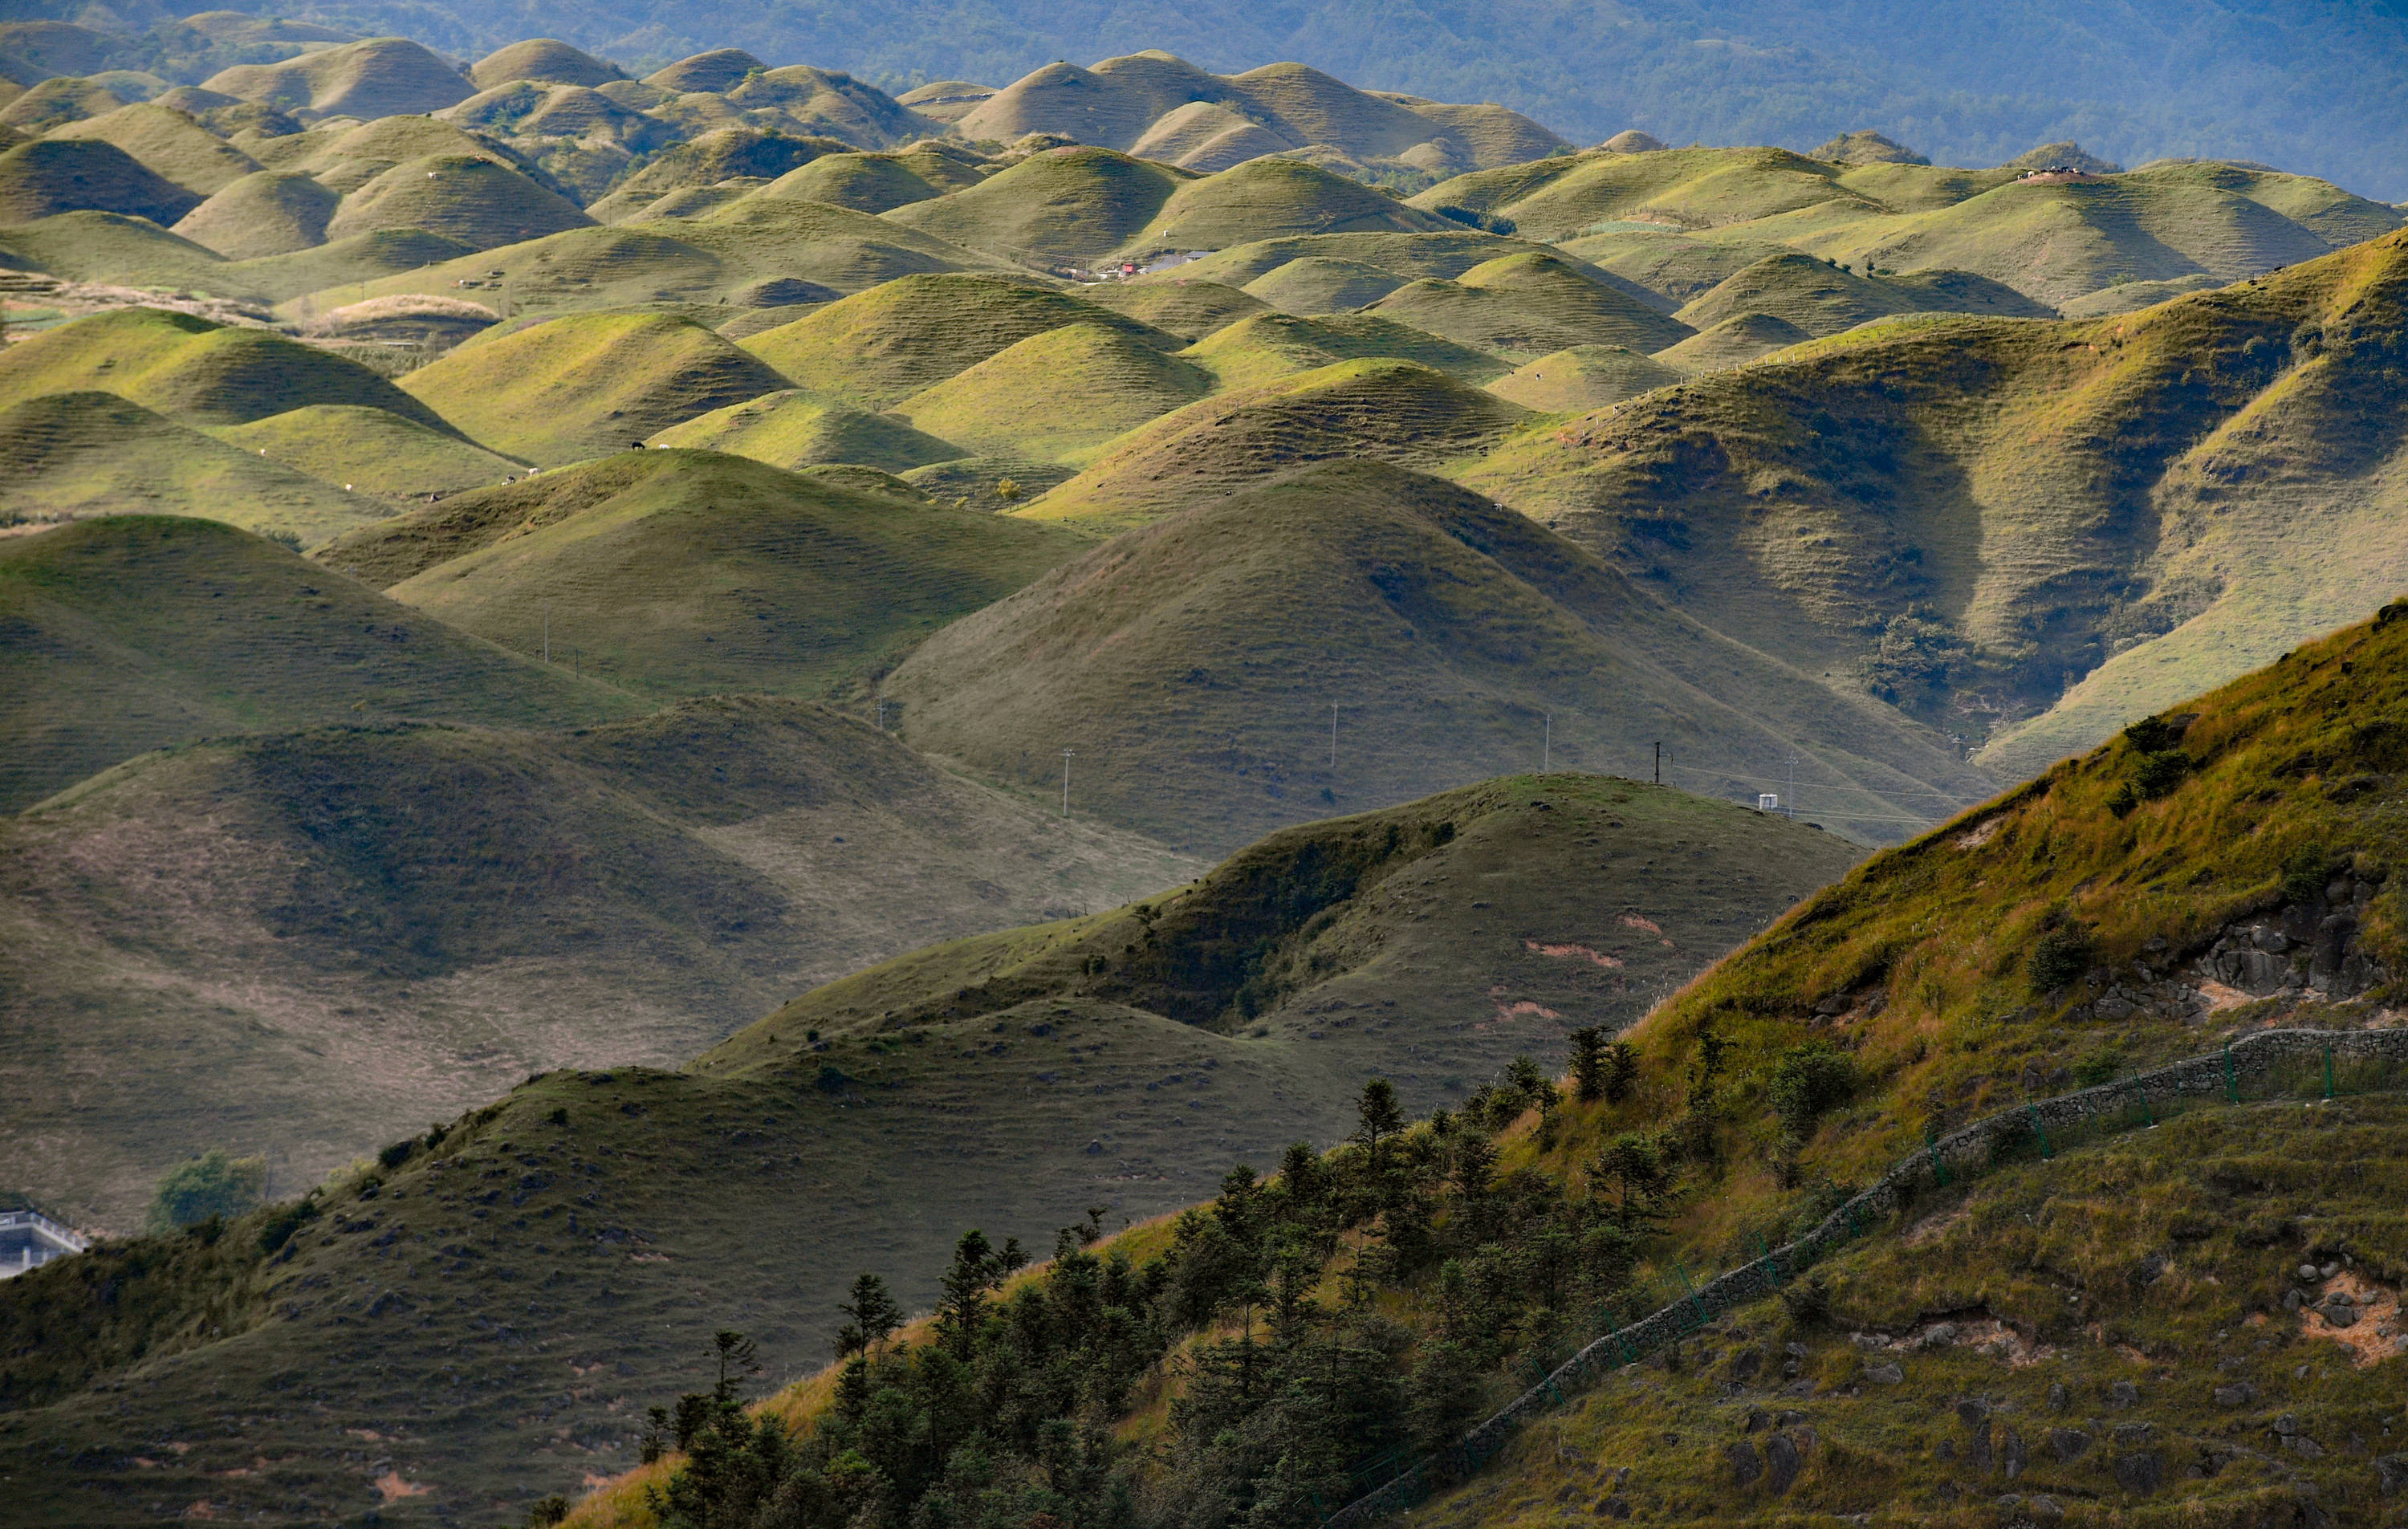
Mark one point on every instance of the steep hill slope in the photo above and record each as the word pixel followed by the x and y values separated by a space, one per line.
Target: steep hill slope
pixel 50 176
pixel 1586 377
pixel 1040 1099
pixel 588 384
pixel 270 212
pixel 380 76
pixel 468 198
pixel 1528 305
pixel 1064 205
pixel 796 429
pixel 133 633
pixel 308 943
pixel 370 450
pixel 169 143
pixel 1265 348
pixel 1193 666
pixel 2136 520
pixel 686 573
pixel 1057 395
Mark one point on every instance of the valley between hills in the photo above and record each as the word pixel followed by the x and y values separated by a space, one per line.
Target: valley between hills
pixel 633 691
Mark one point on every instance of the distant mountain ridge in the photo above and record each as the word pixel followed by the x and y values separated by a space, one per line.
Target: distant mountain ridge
pixel 2309 86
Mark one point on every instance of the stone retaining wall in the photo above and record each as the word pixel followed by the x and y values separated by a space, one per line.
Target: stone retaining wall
pixel 2241 1070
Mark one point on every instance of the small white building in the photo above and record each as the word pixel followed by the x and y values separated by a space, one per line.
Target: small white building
pixel 1768 802
pixel 29 1239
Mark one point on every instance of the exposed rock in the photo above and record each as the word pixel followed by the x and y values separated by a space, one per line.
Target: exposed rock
pixel 2141 1473
pixel 2391 1474
pixel 2239 1394
pixel 2123 1393
pixel 1783 1460
pixel 2129 1433
pixel 2058 1400
pixel 2012 1456
pixel 2068 1444
pixel 1745 1463
pixel 1885 1375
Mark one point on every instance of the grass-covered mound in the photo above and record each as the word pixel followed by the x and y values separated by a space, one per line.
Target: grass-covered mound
pixel 685 573
pixel 1526 306
pixel 2161 499
pixel 1188 308
pixel 129 632
pixel 793 429
pixel 1063 205
pixel 1263 348
pixel 51 176
pixel 1448 253
pixel 167 143
pixel 879 346
pixel 1583 378
pixel 380 76
pixel 111 247
pixel 1193 665
pixel 1057 395
pixel 1557 198
pixel 369 450
pixel 1820 299
pixel 475 200
pixel 588 384
pixel 344 933
pixel 1321 284
pixel 863 182
pixel 193 371
pixel 1275 198
pixel 1354 410
pixel 74 454
pixel 545 59
pixel 763 1181
pixel 1733 342
pixel 270 212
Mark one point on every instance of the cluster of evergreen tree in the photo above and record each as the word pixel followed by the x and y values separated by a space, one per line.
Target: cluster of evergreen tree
pixel 1294 1391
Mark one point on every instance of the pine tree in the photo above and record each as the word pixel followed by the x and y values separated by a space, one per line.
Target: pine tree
pixel 1381 1118
pixel 874 1314
pixel 1588 1063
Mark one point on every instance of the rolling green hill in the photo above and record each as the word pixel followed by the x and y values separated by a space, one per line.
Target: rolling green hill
pixel 1270 199
pixel 2161 500
pixel 1263 348
pixel 1056 395
pixel 1818 298
pixel 193 371
pixel 167 143
pixel 50 176
pixel 1060 1080
pixel 685 573
pixel 879 346
pixel 1583 378
pixel 793 429
pixel 379 77
pixel 1065 204
pixel 471 199
pixel 1529 306
pixel 370 449
pixel 68 455
pixel 1189 309
pixel 1733 342
pixel 1354 410
pixel 587 384
pixel 133 632
pixel 1193 666
pixel 270 212
pixel 350 931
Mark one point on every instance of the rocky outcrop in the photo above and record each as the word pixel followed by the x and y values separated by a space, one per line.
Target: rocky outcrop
pixel 2300 948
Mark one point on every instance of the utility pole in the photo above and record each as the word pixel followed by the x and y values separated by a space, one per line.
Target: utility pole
pixel 1547 747
pixel 1659 761
pixel 1790 801
pixel 1065 780
pixel 881 713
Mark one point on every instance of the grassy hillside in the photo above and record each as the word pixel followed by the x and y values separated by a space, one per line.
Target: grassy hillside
pixel 1355 411
pixel 1054 1092
pixel 51 176
pixel 588 384
pixel 196 372
pixel 879 346
pixel 372 451
pixel 68 455
pixel 167 143
pixel 1193 666
pixel 793 429
pixel 270 212
pixel 1734 342
pixel 1270 199
pixel 1057 395
pixel 1528 305
pixel 1265 348
pixel 686 573
pixel 133 633
pixel 2140 531
pixel 352 931
pixel 2077 1316
pixel 1190 308
pixel 1064 205
pixel 465 197
pixel 1583 378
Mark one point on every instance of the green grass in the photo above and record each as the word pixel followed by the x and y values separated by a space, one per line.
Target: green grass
pixel 1686 188
pixel 1583 378
pixel 1353 410
pixel 51 176
pixel 469 198
pixel 683 572
pixel 1733 342
pixel 873 1149
pixel 1057 395
pixel 352 931
pixel 1818 298
pixel 1271 199
pixel 193 371
pixel 1190 310
pixel 111 247
pixel 69 455
pixel 2139 488
pixel 1319 284
pixel 588 384
pixel 168 144
pixel 879 346
pixel 371 450
pixel 1072 204
pixel 377 76
pixel 270 212
pixel 793 429
pixel 1448 253
pixel 1193 664
pixel 863 182
pixel 1526 305
pixel 132 633
pixel 1266 347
